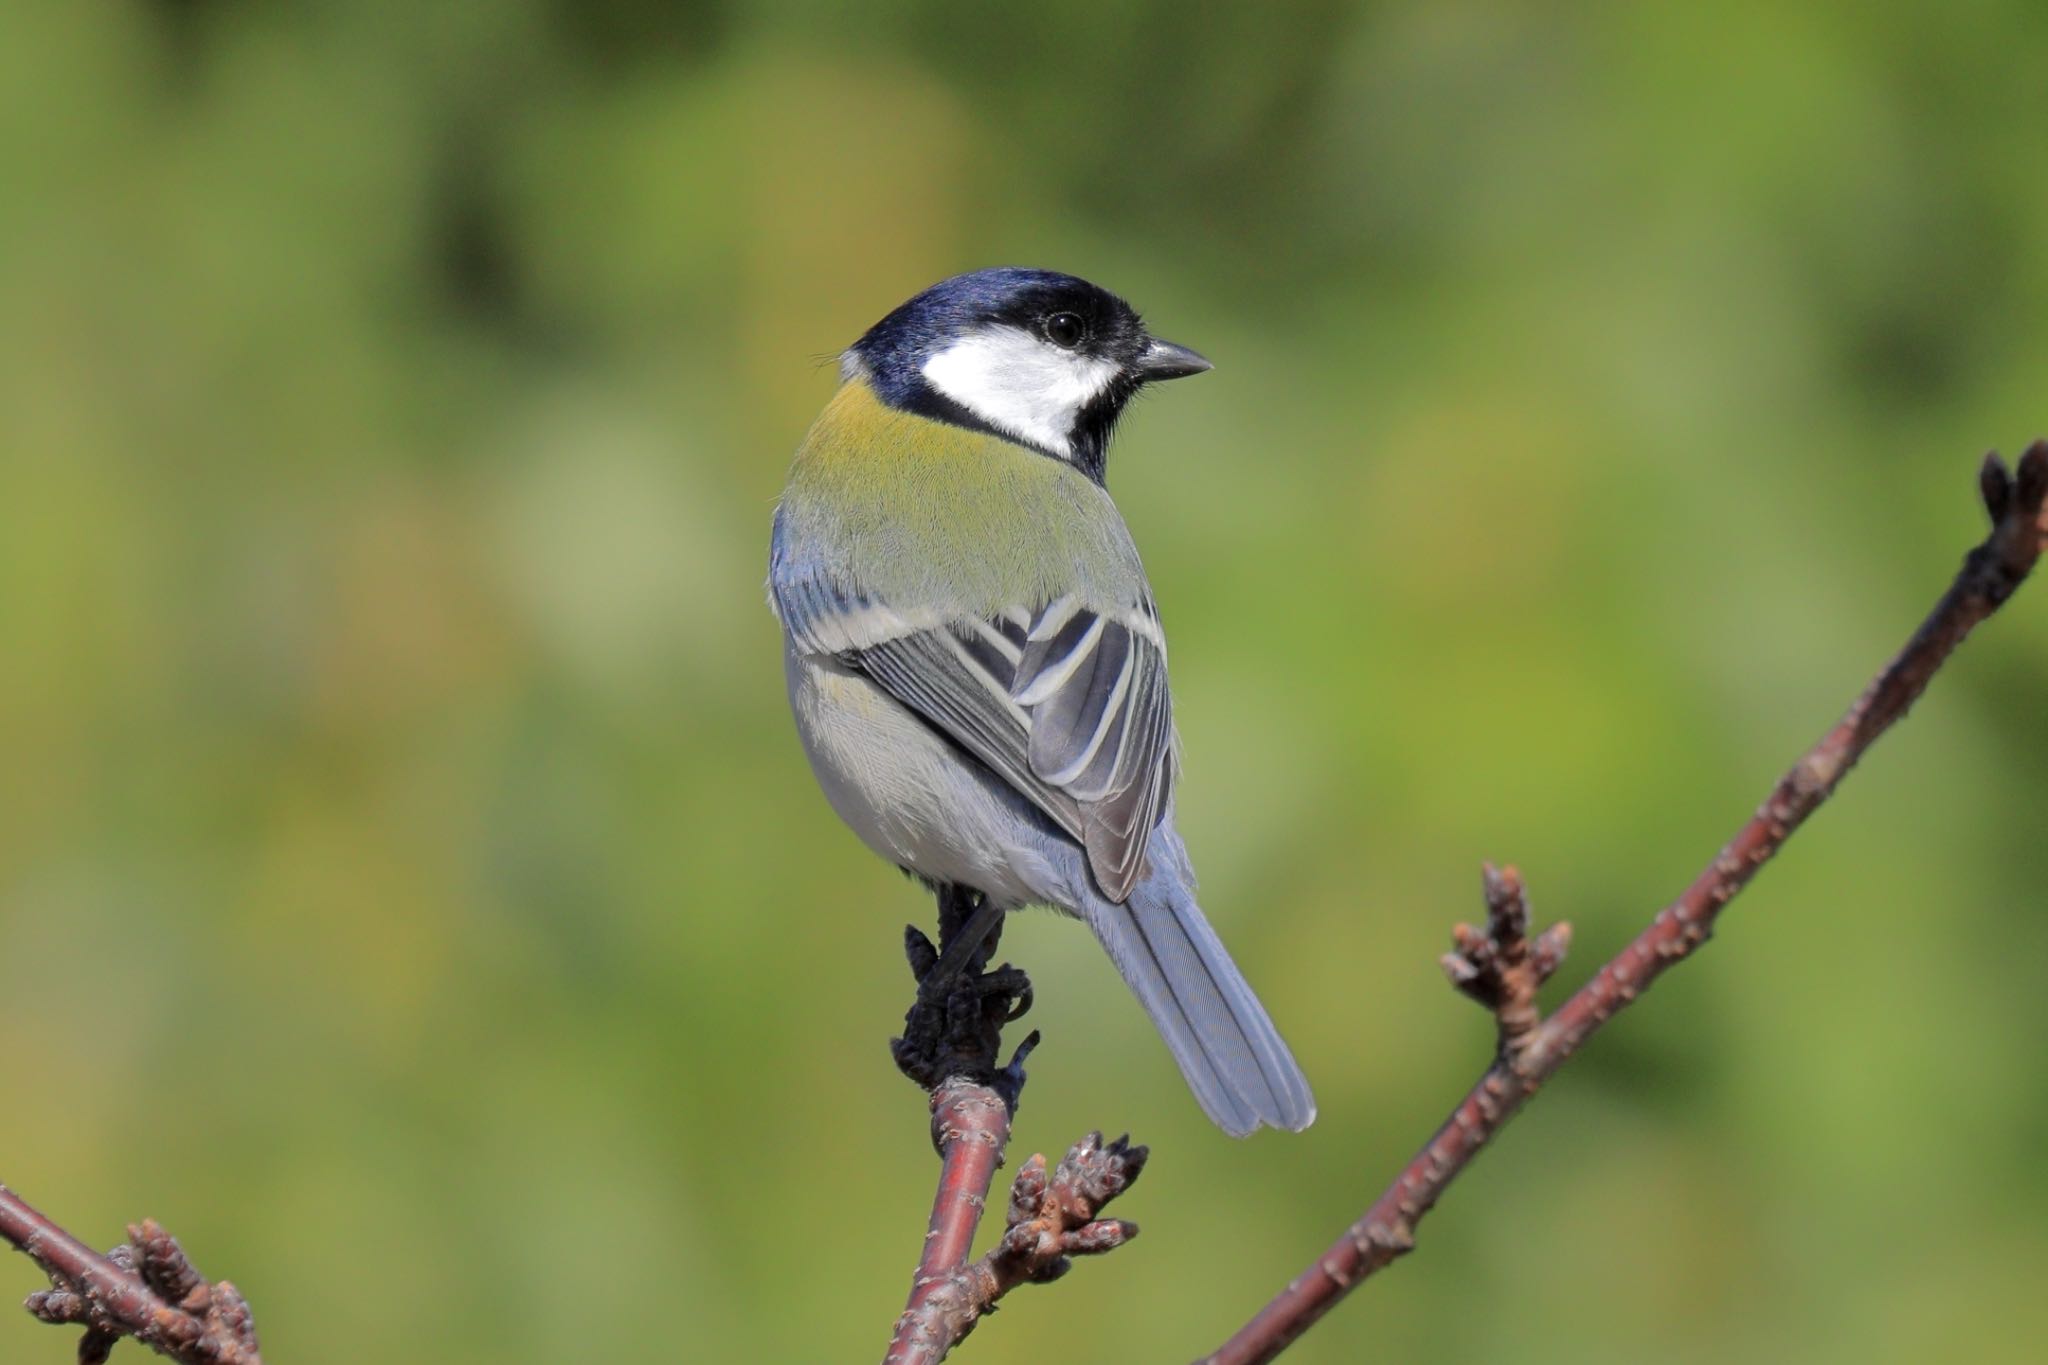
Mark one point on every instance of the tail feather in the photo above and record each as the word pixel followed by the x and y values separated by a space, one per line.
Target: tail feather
pixel 1232 1056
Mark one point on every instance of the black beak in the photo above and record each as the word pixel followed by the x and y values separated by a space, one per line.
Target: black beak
pixel 1164 360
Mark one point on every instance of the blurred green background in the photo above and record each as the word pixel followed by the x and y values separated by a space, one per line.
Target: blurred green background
pixel 411 889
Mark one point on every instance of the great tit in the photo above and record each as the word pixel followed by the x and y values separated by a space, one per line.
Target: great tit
pixel 974 657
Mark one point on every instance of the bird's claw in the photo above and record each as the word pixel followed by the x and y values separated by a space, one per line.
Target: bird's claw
pixel 955 1026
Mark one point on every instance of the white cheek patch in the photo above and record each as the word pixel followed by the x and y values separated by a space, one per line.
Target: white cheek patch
pixel 1019 384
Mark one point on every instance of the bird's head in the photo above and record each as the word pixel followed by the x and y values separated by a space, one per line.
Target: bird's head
pixel 1044 359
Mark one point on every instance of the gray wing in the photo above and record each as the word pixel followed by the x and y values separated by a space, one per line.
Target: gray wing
pixel 1068 705
pixel 1102 729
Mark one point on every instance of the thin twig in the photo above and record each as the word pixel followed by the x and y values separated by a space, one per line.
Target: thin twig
pixel 952 1039
pixel 1532 1051
pixel 1050 1222
pixel 145 1289
pixel 970 1127
pixel 1501 968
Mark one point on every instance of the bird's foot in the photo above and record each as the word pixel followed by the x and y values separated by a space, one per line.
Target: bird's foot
pixel 955 1027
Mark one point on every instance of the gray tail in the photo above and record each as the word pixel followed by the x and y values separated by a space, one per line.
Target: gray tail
pixel 1232 1056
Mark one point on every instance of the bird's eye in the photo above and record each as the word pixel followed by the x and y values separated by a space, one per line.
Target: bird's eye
pixel 1065 330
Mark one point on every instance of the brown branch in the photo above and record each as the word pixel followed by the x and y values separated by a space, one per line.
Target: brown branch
pixel 970 1127
pixel 145 1289
pixel 951 1040
pixel 1050 1222
pixel 1502 970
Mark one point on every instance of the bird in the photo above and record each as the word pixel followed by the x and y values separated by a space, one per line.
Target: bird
pixel 974 658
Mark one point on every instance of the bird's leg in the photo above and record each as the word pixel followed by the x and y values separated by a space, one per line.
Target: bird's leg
pixel 955 1026
pixel 970 927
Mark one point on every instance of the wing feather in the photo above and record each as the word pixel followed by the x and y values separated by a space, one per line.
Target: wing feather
pixel 1101 729
pixel 1068 704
